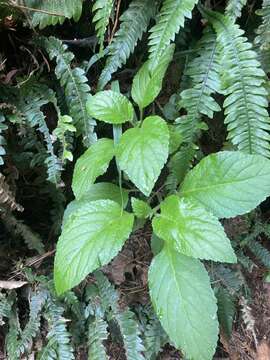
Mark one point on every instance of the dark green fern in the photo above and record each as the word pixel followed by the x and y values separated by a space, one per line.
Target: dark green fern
pixel 74 82
pixel 125 319
pixel 234 8
pixel 171 17
pixel 133 23
pixel 243 82
pixel 263 31
pixel 102 10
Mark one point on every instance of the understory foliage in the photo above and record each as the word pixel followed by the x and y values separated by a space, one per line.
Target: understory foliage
pixel 118 116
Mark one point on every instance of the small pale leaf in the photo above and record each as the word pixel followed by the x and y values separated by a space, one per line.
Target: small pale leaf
pixel 147 83
pixel 140 208
pixel 111 107
pixel 93 163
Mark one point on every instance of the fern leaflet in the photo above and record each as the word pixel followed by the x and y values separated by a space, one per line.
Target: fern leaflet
pixel 32 327
pixel 171 17
pixel 243 82
pixel 261 253
pixel 17 227
pixel 102 9
pixel 204 72
pixel 33 96
pixel 134 22
pixel 77 91
pixel 226 310
pixel 234 8
pixel 58 332
pixel 263 31
pixel 97 334
pixel 3 127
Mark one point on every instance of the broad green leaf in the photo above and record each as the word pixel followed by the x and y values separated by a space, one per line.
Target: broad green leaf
pixel 142 152
pixel 98 191
pixel 185 304
pixel 91 237
pixel 93 163
pixel 192 230
pixel 228 183
pixel 147 83
pixel 140 208
pixel 111 107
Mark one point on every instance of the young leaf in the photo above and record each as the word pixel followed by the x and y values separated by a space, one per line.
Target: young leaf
pixel 111 107
pixel 140 208
pixel 147 83
pixel 228 183
pixel 185 304
pixel 98 191
pixel 142 152
pixel 91 237
pixel 93 163
pixel 192 230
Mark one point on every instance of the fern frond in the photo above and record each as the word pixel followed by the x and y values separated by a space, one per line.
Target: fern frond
pixel 33 97
pixel 125 319
pixel 154 338
pixel 197 100
pixel 48 352
pixel 17 227
pixel 179 165
pixel 11 341
pixel 244 86
pixel 63 129
pixel 97 333
pixel 103 10
pixel 7 200
pixel 263 31
pixel 227 277
pixel 31 329
pixel 3 127
pixel 5 307
pixel 226 310
pixel 248 318
pixel 261 253
pixel 133 23
pixel 58 332
pixel 53 11
pixel 171 17
pixel 245 261
pixel 234 8
pixel 74 82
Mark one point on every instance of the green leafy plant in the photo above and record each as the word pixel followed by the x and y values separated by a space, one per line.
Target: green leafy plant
pixel 133 160
pixel 221 185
